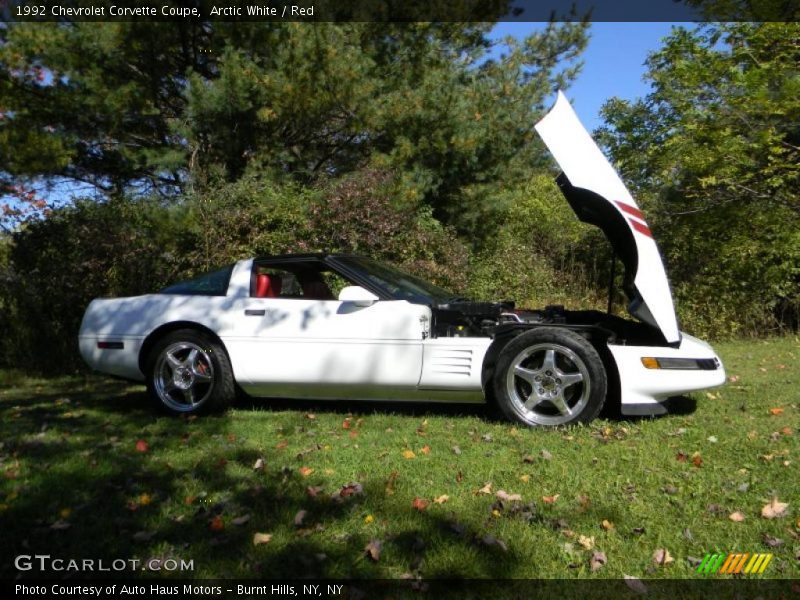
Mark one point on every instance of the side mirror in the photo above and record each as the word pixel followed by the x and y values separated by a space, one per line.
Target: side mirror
pixel 357 295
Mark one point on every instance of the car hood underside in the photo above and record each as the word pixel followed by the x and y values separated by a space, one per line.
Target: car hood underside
pixel 598 196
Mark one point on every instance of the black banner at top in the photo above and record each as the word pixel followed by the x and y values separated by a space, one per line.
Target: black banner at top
pixel 398 10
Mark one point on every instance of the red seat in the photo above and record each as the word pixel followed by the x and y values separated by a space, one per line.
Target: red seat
pixel 267 287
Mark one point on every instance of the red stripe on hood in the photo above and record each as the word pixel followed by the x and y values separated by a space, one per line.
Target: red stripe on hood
pixel 641 228
pixel 631 210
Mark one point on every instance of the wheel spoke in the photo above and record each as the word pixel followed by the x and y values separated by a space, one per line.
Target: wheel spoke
pixel 525 374
pixel 568 379
pixel 169 385
pixel 191 360
pixel 188 395
pixel 173 362
pixel 533 401
pixel 549 363
pixel 561 404
pixel 201 377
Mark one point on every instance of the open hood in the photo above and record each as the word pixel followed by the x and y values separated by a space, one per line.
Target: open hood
pixel 596 193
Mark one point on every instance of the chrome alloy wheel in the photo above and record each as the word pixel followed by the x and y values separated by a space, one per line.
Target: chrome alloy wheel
pixel 183 376
pixel 548 384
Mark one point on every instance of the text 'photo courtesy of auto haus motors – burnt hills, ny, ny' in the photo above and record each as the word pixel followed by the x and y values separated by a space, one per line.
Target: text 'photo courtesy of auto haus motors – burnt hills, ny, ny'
pixel 335 326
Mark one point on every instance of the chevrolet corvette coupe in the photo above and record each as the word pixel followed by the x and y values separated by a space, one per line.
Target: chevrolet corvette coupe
pixel 335 326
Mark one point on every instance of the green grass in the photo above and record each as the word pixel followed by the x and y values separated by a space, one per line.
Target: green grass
pixel 69 458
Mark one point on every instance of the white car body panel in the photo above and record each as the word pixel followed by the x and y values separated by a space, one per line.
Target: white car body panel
pixel 362 347
pixel 586 167
pixel 644 390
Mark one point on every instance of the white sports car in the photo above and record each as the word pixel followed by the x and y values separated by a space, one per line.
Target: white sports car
pixel 274 327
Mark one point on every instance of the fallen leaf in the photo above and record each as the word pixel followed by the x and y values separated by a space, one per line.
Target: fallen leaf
pixel 550 499
pixel 528 458
pixel 774 509
pixel 143 536
pixel 441 499
pixel 142 446
pixel 261 538
pixel 420 504
pixel 681 456
pixel 712 439
pixel 143 500
pixel 351 489
pixel 390 483
pixel 662 557
pixel 216 523
pixel 346 424
pixel 607 525
pixel 525 478
pixel 409 454
pixel 60 525
pixel 373 550
pixel 776 411
pixel 300 517
pixel 786 431
pixel 241 520
pixel 490 540
pixel 456 450
pixel 697 460
pixel 425 449
pixel 733 378
pixel 635 584
pixel 743 487
pixel 281 445
pixel 486 489
pixel 496 514
pixel 368 519
pixel 597 561
pixel 313 491
pixel 259 465
pixel 737 516
pixel 305 471
pixel 586 542
pixel 311 416
pixel 545 454
pixel 772 542
pixel 487 437
pixel 506 497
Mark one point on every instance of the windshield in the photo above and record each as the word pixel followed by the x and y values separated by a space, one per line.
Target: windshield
pixel 397 284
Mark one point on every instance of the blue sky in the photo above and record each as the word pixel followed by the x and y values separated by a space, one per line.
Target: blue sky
pixel 613 63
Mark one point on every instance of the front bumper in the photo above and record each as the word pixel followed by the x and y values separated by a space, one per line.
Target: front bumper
pixel 643 390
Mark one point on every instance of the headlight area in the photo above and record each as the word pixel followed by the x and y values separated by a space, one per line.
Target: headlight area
pixel 684 364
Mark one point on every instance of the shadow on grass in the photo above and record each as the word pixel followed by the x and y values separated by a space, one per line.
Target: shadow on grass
pixel 79 484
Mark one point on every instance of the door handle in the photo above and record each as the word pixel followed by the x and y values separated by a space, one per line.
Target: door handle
pixel 253 312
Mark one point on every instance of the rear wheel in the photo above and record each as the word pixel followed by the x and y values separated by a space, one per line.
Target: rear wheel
pixel 188 373
pixel 549 376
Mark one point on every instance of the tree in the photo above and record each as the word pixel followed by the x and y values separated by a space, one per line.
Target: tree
pixel 714 150
pixel 134 107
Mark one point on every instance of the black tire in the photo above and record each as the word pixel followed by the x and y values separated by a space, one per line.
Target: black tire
pixel 189 373
pixel 549 376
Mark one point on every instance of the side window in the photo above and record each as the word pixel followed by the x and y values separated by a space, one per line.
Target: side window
pixel 210 284
pixel 335 282
pixel 307 282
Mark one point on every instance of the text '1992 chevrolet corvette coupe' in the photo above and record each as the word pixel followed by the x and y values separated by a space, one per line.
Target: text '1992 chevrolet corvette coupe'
pixel 334 326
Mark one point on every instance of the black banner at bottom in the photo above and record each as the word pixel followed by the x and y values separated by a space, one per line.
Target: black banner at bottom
pixel 671 589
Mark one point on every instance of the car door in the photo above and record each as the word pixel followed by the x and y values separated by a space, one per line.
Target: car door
pixel 292 338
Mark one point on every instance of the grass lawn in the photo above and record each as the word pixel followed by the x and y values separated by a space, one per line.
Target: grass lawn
pixel 90 471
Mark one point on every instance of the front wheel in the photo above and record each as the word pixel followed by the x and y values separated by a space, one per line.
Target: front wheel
pixel 549 376
pixel 188 373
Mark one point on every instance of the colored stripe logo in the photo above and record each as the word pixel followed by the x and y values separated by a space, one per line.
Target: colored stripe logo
pixel 735 563
pixel 638 221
